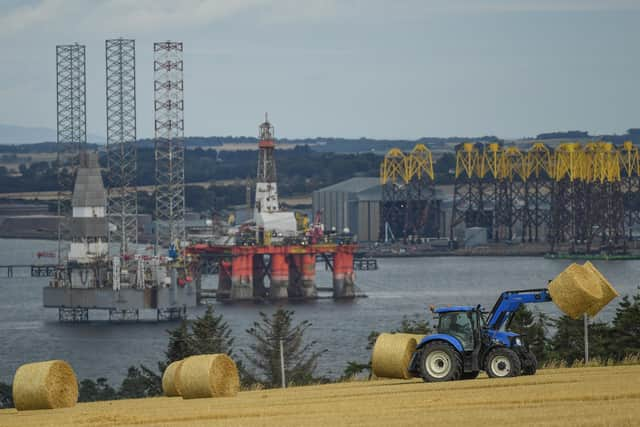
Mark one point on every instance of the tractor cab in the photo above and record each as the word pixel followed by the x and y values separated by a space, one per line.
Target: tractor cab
pixel 460 322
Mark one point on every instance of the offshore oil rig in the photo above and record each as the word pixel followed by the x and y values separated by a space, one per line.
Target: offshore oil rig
pixel 272 256
pixel 105 268
pixel 274 246
pixel 93 279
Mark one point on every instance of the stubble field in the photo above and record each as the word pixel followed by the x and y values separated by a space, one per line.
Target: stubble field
pixel 562 397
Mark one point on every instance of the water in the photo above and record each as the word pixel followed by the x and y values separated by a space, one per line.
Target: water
pixel 28 332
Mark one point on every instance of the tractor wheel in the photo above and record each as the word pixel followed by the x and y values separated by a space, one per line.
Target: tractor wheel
pixel 502 362
pixel 440 362
pixel 529 364
pixel 469 375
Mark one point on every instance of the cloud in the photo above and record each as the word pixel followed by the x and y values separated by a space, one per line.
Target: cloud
pixel 534 5
pixel 25 17
pixel 151 15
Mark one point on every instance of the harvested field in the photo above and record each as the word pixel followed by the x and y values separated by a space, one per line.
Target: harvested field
pixel 562 397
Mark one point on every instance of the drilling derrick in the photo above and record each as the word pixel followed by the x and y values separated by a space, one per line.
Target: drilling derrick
pixel 71 118
pixel 270 220
pixel 266 186
pixel 121 148
pixel 169 143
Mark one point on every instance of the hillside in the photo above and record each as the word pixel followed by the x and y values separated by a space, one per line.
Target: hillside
pixel 564 397
pixel 10 134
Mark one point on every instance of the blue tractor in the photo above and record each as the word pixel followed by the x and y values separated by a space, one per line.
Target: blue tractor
pixel 469 340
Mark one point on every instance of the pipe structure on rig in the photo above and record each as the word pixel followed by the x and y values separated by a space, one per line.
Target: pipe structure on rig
pixel 343 276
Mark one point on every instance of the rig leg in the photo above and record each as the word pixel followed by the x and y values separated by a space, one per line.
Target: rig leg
pixel 242 277
pixel 309 289
pixel 343 276
pixel 279 276
pixel 259 289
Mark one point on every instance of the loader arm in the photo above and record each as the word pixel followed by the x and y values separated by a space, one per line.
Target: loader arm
pixel 510 301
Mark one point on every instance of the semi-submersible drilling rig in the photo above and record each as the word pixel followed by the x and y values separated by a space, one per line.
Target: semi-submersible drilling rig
pixel 274 246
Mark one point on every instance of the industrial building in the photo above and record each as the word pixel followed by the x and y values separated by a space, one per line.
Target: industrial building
pixel 353 204
pixel 357 204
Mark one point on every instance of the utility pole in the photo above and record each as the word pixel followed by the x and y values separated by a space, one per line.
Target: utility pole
pixel 284 383
pixel 586 338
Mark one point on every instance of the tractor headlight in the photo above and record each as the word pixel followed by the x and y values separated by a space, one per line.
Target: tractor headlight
pixel 518 341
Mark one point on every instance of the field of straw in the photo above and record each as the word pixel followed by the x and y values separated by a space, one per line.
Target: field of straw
pixel 563 397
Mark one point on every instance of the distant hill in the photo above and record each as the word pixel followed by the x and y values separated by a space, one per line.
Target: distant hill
pixel 10 134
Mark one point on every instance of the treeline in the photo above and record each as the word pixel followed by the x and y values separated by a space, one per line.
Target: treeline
pixel 554 342
pixel 300 171
pixel 632 134
pixel 211 334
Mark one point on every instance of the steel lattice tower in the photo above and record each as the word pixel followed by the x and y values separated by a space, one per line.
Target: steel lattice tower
pixel 71 100
pixel 169 142
pixel 121 136
pixel 410 208
pixel 71 96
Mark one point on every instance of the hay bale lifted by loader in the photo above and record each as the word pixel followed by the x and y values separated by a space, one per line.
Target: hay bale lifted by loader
pixel 468 340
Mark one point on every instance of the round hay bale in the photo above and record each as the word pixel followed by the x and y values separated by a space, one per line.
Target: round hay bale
pixel 417 337
pixel 392 354
pixel 608 291
pixel 171 379
pixel 575 290
pixel 208 375
pixel 45 385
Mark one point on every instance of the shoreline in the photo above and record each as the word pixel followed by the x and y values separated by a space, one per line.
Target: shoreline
pixel 484 251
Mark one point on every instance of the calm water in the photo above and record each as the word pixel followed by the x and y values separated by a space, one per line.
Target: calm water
pixel 28 332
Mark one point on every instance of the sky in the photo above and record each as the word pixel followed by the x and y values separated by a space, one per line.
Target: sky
pixel 346 68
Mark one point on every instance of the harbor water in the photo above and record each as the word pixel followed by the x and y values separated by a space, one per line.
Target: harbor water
pixel 400 287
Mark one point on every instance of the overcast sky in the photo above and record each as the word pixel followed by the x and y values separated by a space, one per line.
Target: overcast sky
pixel 351 68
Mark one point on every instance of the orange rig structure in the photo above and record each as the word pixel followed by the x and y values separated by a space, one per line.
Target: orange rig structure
pixel 274 246
pixel 290 268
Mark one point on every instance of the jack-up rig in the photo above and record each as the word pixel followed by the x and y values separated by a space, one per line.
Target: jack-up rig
pixel 90 276
pixel 273 248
